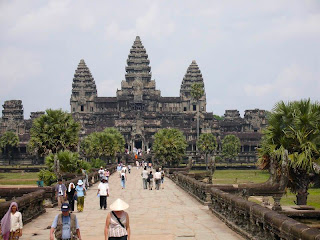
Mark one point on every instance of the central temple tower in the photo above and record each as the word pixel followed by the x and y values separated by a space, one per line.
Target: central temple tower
pixel 138 87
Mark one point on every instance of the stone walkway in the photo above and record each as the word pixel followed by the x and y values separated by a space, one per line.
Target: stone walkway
pixel 166 214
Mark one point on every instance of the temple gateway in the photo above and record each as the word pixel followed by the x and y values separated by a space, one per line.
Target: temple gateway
pixel 138 111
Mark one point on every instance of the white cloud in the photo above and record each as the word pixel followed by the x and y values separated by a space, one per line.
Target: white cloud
pixel 17 67
pixel 292 82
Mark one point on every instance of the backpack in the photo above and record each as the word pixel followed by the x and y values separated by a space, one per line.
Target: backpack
pixel 122 177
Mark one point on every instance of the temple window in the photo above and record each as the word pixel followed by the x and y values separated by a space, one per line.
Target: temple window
pixel 194 107
pixel 185 109
pixel 82 108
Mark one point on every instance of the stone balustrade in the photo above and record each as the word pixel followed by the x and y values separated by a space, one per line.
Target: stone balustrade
pixel 32 201
pixel 251 220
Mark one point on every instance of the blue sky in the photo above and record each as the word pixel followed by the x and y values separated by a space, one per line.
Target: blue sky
pixel 251 53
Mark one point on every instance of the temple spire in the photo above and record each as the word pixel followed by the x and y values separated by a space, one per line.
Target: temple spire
pixel 84 89
pixel 138 63
pixel 193 75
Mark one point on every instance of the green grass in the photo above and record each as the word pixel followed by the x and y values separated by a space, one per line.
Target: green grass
pixel 313 198
pixel 238 176
pixel 23 166
pixel 19 178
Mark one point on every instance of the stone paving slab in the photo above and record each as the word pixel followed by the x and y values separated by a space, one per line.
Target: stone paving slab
pixel 166 214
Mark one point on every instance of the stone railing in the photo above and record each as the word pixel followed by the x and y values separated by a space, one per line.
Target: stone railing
pixel 249 219
pixel 32 201
pixel 197 189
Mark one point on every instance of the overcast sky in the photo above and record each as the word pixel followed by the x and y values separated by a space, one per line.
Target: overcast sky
pixel 251 53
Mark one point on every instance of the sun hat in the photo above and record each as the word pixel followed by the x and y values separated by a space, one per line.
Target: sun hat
pixel 119 205
pixel 80 182
pixel 65 207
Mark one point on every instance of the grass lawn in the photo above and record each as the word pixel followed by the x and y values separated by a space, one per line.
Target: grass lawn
pixel 313 198
pixel 28 178
pixel 238 176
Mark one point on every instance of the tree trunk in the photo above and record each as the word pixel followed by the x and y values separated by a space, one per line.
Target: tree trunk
pixel 206 159
pixel 302 188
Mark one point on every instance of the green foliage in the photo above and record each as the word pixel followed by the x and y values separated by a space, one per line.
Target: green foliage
pixel 230 147
pixel 218 117
pixel 293 126
pixel 169 146
pixel 97 163
pixel 68 161
pixel 207 144
pixel 103 144
pixel 197 91
pixel 52 132
pixel 8 141
pixel 47 177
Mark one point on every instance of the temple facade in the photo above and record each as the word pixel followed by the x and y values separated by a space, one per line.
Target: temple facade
pixel 138 110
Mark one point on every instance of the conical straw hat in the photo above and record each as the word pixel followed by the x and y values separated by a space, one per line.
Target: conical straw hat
pixel 118 205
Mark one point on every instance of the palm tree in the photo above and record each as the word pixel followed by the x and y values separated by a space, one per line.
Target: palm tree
pixel 52 132
pixel 230 147
pixel 197 91
pixel 107 143
pixel 169 146
pixel 295 127
pixel 8 141
pixel 207 144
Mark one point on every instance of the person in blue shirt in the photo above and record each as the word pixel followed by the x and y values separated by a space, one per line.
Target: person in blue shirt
pixel 65 225
pixel 119 168
pixel 80 192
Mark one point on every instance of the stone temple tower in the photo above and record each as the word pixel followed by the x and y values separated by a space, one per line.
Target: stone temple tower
pixel 12 117
pixel 84 90
pixel 138 86
pixel 193 75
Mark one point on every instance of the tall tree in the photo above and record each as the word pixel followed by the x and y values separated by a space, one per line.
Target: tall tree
pixel 169 146
pixel 197 91
pixel 293 127
pixel 207 144
pixel 52 132
pixel 230 147
pixel 8 141
pixel 107 143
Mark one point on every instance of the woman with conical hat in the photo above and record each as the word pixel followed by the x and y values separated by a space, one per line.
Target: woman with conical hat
pixel 117 222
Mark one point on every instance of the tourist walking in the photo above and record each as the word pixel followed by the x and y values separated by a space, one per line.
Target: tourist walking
pixel 70 194
pixel 150 180
pixel 123 179
pixel 86 179
pixel 103 192
pixel 137 164
pixel 157 178
pixel 65 225
pixel 101 173
pixel 129 168
pixel 162 178
pixel 119 167
pixel 144 175
pixel 60 190
pixel 117 222
pixel 80 192
pixel 11 223
pixel 107 174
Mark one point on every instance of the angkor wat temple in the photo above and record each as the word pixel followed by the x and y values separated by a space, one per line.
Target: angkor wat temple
pixel 139 110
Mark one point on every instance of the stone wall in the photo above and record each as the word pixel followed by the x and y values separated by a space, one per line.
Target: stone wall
pixel 32 201
pixel 249 219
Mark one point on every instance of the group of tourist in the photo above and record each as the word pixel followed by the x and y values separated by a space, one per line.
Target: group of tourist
pixel 65 225
pixel 149 179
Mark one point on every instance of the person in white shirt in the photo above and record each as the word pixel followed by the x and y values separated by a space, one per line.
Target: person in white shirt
pixel 101 173
pixel 144 175
pixel 157 178
pixel 11 223
pixel 103 191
